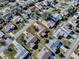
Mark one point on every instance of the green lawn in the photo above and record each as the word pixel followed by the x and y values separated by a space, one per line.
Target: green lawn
pixel 1 43
pixel 19 27
pixel 10 52
pixel 31 30
pixel 33 51
pixel 19 40
pixel 65 43
pixel 77 50
pixel 64 4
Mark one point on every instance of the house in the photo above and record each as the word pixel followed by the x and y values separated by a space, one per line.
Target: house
pixel 63 12
pixel 1 34
pixel 55 17
pixel 49 24
pixel 9 27
pixel 30 39
pixel 44 53
pixel 18 19
pixel 72 21
pixel 76 15
pixel 7 17
pixel 44 33
pixel 25 15
pixel 38 5
pixel 41 31
pixel 21 51
pixel 23 5
pixel 39 28
pixel 54 45
pixel 67 27
pixel 59 34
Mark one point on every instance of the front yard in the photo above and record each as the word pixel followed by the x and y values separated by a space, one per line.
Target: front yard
pixel 10 52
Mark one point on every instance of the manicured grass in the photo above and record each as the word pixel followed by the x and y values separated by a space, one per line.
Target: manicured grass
pixel 77 50
pixel 31 30
pixel 20 40
pixel 39 22
pixel 40 45
pixel 10 52
pixel 19 27
pixel 33 51
pixel 1 43
pixel 36 51
pixel 65 43
pixel 0 57
pixel 55 11
pixel 64 4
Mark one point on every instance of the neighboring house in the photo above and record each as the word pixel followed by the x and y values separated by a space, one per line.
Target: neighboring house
pixel 44 33
pixel 25 15
pixel 39 28
pixel 67 27
pixel 21 51
pixel 54 45
pixel 55 17
pixel 44 53
pixel 60 33
pixel 30 40
pixel 9 27
pixel 49 24
pixel 7 17
pixel 72 21
pixel 23 5
pixel 76 15
pixel 18 19
pixel 38 5
pixel 1 34
pixel 63 12
pixel 4 1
